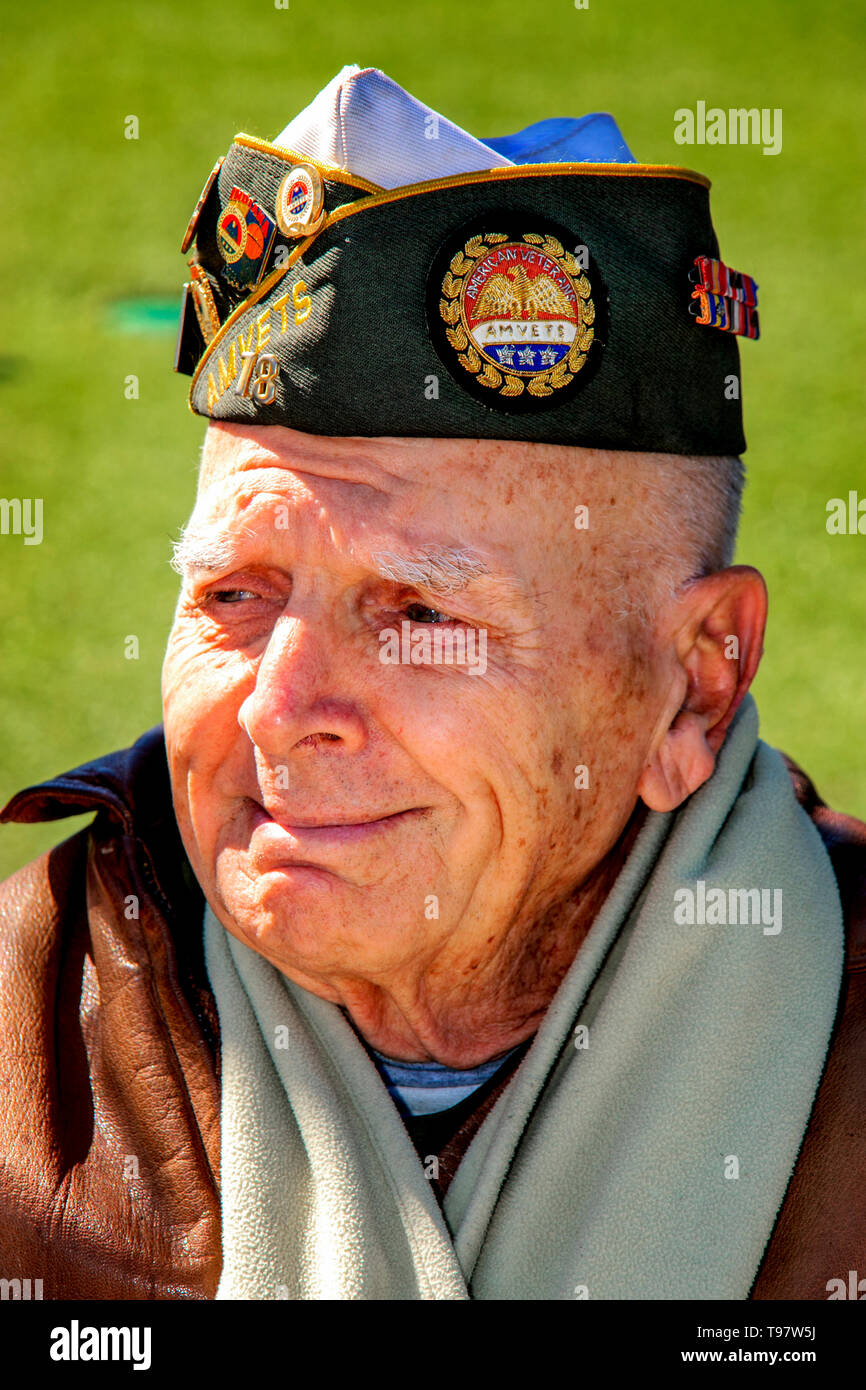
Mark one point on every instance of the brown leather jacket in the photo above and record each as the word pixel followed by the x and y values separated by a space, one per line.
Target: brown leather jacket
pixel 109 1059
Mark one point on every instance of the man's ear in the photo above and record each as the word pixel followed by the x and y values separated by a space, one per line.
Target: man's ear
pixel 717 637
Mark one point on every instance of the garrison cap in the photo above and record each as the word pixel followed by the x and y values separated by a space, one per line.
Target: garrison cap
pixel 379 271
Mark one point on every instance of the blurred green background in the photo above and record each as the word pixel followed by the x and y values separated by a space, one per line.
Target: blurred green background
pixel 94 220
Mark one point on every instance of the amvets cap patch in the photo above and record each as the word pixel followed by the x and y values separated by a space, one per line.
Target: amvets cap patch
pixel 517 317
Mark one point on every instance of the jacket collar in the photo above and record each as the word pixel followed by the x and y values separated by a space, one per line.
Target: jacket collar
pixel 132 786
pixel 131 791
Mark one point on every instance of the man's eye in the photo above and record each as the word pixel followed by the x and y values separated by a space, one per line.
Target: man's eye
pixel 232 595
pixel 417 613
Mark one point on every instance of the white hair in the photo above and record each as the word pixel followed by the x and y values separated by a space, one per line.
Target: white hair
pixel 689 510
pixel 703 501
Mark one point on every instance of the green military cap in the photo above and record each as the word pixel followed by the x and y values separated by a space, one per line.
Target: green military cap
pixel 378 271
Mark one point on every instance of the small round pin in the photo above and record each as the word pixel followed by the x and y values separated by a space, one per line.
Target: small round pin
pixel 300 205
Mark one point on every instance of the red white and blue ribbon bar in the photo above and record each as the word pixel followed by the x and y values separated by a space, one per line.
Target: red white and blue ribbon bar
pixel 724 298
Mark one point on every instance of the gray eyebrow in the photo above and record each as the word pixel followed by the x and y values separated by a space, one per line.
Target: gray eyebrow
pixel 445 569
pixel 200 549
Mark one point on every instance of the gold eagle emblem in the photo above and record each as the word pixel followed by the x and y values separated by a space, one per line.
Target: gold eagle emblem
pixel 512 295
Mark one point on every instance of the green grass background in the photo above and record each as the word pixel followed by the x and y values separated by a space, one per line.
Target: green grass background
pixel 92 218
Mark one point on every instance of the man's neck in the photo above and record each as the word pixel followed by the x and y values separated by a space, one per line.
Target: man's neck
pixel 465 1022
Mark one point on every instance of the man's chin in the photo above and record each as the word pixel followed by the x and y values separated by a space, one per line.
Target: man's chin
pixel 284 895
pixel 306 919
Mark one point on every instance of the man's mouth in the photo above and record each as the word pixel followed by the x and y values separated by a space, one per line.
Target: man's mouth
pixel 296 839
pixel 331 822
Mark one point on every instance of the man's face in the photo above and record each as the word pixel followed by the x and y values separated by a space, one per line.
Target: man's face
pixel 351 817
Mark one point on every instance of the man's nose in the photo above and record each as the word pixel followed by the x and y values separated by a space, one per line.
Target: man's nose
pixel 302 698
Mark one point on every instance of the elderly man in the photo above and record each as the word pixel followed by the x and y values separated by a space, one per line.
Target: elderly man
pixel 458 937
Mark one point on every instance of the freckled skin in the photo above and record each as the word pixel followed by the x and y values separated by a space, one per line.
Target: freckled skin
pixel 278 710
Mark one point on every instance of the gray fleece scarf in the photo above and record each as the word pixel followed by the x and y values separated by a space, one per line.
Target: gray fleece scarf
pixel 642 1148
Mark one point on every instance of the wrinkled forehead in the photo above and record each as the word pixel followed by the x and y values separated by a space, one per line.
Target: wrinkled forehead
pixel 502 473
pixel 408 485
pixel 512 504
pixel 232 450
pixel 477 466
